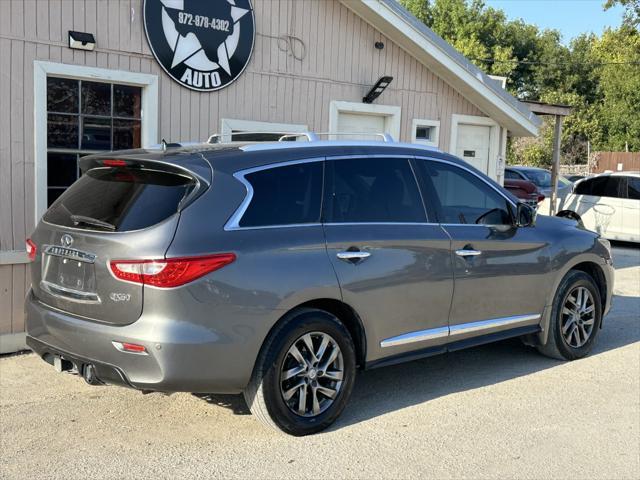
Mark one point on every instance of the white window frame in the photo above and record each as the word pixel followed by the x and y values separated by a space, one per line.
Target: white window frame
pixel 494 138
pixel 391 114
pixel 435 124
pixel 41 70
pixel 228 125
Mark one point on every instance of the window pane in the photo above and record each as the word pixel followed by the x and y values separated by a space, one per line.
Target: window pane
pixel 96 98
pixel 374 190
pixel 126 101
pixel 53 194
pixel 127 199
pixel 423 133
pixel 96 133
pixel 462 197
pixel 62 131
pixel 285 196
pixel 605 186
pixel 634 188
pixel 510 174
pixel 62 169
pixel 126 134
pixel 62 95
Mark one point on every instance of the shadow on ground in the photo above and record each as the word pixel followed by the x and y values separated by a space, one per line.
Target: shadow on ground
pixel 388 389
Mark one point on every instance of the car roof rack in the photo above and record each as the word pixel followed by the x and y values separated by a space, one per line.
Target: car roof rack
pixel 292 136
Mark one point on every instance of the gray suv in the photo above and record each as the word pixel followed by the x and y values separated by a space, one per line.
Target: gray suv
pixel 277 270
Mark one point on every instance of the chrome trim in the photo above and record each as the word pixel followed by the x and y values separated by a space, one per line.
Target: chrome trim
pixel 463 328
pixel 468 253
pixel 352 224
pixel 71 253
pixel 234 221
pixel 353 255
pixel 419 336
pixel 493 323
pixel 120 347
pixel 69 294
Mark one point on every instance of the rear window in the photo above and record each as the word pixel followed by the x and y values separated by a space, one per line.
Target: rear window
pixel 114 199
pixel 289 195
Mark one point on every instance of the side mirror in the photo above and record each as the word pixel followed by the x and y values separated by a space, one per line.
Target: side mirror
pixel 525 215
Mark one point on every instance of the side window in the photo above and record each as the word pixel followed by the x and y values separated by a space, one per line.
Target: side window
pixel 633 188
pixel 373 190
pixel 285 195
pixel 510 174
pixel 460 197
pixel 606 186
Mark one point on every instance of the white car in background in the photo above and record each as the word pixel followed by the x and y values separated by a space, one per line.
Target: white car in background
pixel 608 204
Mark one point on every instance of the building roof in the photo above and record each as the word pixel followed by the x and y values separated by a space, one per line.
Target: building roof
pixel 434 52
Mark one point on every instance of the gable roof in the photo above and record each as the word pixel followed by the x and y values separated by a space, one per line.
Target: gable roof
pixel 396 23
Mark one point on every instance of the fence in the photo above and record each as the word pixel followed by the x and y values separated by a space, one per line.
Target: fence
pixel 615 161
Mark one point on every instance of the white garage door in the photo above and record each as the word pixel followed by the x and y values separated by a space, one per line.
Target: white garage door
pixel 472 145
pixel 360 123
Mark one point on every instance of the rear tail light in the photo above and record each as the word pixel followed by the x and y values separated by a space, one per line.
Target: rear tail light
pixel 168 273
pixel 32 249
pixel 541 197
pixel 130 347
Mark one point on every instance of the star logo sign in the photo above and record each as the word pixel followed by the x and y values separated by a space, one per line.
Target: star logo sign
pixel 204 45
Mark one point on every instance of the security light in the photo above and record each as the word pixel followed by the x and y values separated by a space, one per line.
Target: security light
pixel 377 89
pixel 81 40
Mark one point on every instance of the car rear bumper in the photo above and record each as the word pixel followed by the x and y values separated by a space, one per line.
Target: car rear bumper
pixel 180 356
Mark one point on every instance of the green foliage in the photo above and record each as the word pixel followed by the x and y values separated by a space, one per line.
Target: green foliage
pixel 597 76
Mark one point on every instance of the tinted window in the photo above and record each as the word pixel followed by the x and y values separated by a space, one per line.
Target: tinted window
pixel 606 186
pixel 512 175
pixel 285 195
pixel 633 185
pixel 373 190
pixel 124 199
pixel 460 197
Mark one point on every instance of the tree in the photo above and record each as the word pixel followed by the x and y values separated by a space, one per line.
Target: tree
pixel 632 10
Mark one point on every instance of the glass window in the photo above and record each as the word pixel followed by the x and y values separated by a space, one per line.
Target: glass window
pixel 84 118
pixel 633 187
pixel 373 190
pixel 286 195
pixel 460 197
pixel 605 186
pixel 122 199
pixel 510 174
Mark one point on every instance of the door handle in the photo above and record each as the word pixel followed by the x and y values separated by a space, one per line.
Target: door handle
pixel 353 257
pixel 468 252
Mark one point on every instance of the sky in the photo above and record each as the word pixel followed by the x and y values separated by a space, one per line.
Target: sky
pixel 571 17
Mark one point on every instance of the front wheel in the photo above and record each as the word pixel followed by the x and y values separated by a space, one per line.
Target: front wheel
pixel 304 375
pixel 576 316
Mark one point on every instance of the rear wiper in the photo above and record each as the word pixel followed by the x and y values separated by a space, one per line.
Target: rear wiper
pixel 78 219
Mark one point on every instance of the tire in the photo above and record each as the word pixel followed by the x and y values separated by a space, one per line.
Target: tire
pixel 265 394
pixel 561 323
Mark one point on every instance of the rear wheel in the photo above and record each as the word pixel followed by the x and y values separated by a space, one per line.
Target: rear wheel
pixel 575 318
pixel 304 375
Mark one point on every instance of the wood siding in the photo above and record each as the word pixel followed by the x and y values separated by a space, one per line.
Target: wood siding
pixel 604 161
pixel 340 63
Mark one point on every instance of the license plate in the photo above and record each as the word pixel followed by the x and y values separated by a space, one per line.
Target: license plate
pixel 69 273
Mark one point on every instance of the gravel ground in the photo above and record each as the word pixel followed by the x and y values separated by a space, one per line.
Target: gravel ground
pixel 499 411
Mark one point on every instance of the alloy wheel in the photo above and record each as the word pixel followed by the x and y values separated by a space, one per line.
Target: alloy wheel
pixel 578 317
pixel 311 374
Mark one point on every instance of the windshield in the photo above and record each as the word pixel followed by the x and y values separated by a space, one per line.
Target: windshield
pixel 542 178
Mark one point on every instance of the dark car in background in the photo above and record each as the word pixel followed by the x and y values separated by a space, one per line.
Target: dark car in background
pixel 540 177
pixel 277 270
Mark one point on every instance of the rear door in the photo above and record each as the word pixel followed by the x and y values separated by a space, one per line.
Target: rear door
pixel 393 265
pixel 499 270
pixel 631 210
pixel 110 213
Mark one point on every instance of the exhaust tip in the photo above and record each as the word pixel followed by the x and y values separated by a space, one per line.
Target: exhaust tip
pixel 89 375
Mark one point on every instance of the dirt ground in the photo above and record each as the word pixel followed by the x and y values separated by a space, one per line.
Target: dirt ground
pixel 498 411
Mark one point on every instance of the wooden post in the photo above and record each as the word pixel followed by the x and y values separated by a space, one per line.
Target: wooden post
pixel 555 167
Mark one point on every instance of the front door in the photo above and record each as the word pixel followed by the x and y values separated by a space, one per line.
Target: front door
pixel 500 271
pixel 394 268
pixel 472 145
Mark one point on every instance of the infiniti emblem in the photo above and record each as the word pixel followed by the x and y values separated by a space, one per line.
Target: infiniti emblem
pixel 66 240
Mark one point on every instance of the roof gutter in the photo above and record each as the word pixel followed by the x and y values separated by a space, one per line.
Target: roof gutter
pixel 442 59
